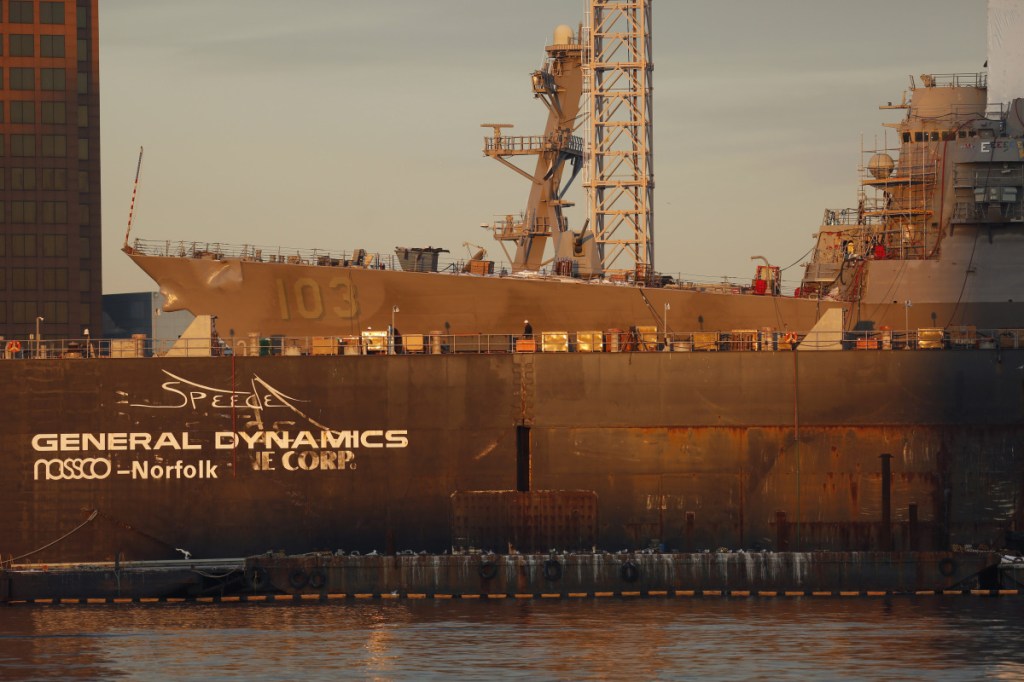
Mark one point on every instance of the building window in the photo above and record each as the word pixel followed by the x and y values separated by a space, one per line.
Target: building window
pixel 55 178
pixel 83 83
pixel 84 312
pixel 51 46
pixel 55 245
pixel 51 12
pixel 55 279
pixel 23 311
pixel 54 146
pixel 55 212
pixel 3 219
pixel 83 116
pixel 84 280
pixel 83 214
pixel 23 112
pixel 20 12
pixel 1 178
pixel 24 212
pixel 3 279
pixel 1 144
pixel 84 247
pixel 23 145
pixel 83 17
pixel 23 279
pixel 23 178
pixel 21 45
pixel 52 79
pixel 55 311
pixel 1 112
pixel 23 245
pixel 22 78
pixel 54 112
pixel 83 148
pixel 83 50
pixel 83 181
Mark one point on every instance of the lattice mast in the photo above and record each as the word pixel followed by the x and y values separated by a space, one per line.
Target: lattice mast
pixel 620 177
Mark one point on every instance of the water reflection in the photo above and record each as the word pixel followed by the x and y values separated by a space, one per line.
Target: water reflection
pixel 932 638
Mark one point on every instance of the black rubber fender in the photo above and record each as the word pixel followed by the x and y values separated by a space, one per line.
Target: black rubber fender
pixel 947 566
pixel 317 578
pixel 488 570
pixel 298 578
pixel 552 570
pixel 629 571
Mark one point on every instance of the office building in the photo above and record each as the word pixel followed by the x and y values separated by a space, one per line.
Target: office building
pixel 50 256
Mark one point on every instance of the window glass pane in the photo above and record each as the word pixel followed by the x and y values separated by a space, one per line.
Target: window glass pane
pixel 52 79
pixel 22 78
pixel 51 46
pixel 54 146
pixel 54 112
pixel 23 178
pixel 51 12
pixel 55 178
pixel 20 12
pixel 23 212
pixel 23 112
pixel 21 45
pixel 83 83
pixel 23 145
pixel 83 116
pixel 83 149
pixel 23 245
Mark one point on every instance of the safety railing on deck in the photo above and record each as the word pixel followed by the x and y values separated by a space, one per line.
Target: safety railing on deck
pixel 638 340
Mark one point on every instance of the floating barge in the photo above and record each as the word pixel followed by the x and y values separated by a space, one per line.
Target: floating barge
pixel 324 576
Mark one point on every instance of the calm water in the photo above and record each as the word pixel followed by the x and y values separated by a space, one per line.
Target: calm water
pixel 934 638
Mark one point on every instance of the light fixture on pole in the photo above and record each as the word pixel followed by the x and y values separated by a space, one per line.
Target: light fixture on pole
pixel 391 333
pixel 38 337
pixel 668 307
pixel 906 320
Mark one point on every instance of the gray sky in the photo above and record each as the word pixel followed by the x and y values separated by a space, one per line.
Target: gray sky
pixel 340 124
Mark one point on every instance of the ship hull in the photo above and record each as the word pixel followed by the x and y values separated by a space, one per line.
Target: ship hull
pixel 773 450
pixel 250 297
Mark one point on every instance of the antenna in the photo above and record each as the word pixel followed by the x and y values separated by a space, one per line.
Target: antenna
pixel 131 208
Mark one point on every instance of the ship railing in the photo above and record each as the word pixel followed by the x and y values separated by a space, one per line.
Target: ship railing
pixel 952 80
pixel 527 144
pixel 638 339
pixel 840 216
pixel 988 213
pixel 218 251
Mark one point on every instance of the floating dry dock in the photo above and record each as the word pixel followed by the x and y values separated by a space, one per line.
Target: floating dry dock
pixel 476 575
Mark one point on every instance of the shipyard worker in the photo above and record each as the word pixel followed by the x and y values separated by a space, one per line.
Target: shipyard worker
pixel 527 329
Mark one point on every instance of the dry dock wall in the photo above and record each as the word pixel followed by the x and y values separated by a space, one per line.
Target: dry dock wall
pixel 690 451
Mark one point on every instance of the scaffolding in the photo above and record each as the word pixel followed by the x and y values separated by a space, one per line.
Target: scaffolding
pixel 620 163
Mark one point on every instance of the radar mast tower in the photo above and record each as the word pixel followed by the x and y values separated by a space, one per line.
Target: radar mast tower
pixel 620 164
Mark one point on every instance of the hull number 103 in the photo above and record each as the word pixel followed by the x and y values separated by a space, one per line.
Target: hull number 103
pixel 306 300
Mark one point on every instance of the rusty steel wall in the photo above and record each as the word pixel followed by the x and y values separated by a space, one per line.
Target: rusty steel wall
pixel 690 451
